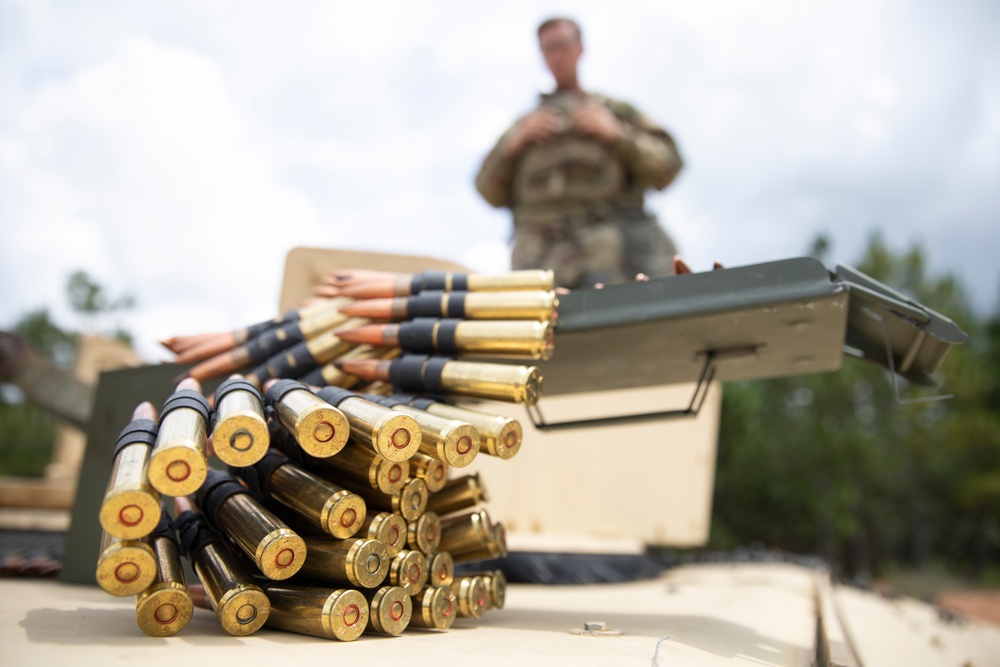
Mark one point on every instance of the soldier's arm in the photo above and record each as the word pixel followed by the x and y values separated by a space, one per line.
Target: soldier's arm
pixel 647 150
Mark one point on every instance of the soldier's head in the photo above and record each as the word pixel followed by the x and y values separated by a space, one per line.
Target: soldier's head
pixel 562 45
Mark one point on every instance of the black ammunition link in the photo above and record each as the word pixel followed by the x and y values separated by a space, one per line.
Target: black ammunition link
pixel 218 487
pixel 141 430
pixel 165 528
pixel 236 384
pixel 186 398
pixel 280 388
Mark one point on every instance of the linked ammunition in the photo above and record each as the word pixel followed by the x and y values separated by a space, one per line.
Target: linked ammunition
pixel 410 501
pixel 303 357
pixel 441 569
pixel 239 604
pixel 359 562
pixel 521 305
pixel 390 434
pixel 495 546
pixel 431 470
pixel 329 375
pixel 424 534
pixel 515 339
pixel 448 440
pixel 125 567
pixel 240 436
pixel 357 465
pixel 390 609
pixel 473 598
pixel 458 494
pixel 177 464
pixel 496 586
pixel 409 571
pixel 372 284
pixel 131 506
pixel 335 510
pixel 165 607
pixel 276 549
pixel 501 436
pixel 318 612
pixel 436 375
pixel 319 428
pixel 388 528
pixel 434 609
pixel 465 533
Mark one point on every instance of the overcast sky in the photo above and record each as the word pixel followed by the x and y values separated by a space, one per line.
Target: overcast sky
pixel 177 150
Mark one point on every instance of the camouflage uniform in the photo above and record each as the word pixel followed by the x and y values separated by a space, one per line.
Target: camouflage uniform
pixel 578 203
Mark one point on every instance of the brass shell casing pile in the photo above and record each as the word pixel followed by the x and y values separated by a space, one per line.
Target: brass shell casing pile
pixel 338 516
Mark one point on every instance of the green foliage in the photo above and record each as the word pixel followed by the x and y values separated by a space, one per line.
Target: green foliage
pixel 832 464
pixel 27 432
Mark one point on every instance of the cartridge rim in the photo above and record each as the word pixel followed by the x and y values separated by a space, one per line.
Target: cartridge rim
pixel 460 445
pixel 391 609
pixel 243 610
pixel 241 439
pixel 343 514
pixel 391 531
pixel 532 386
pixel 391 476
pixel 496 582
pixel 438 608
pixel 424 534
pixel 345 615
pixel 322 430
pixel 397 436
pixel 130 513
pixel 409 571
pixel 411 501
pixel 280 554
pixel 126 568
pixel 164 609
pixel 177 470
pixel 472 596
pixel 508 441
pixel 368 563
pixel 441 568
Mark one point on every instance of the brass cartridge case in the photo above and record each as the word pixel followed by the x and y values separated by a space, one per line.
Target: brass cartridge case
pixel 319 428
pixel 450 440
pixel 531 279
pixel 131 506
pixel 388 528
pixel 410 501
pixel 434 609
pixel 325 346
pixel 241 606
pixel 165 607
pixel 424 534
pixel 324 320
pixel 514 305
pixel 319 612
pixel 389 433
pixel 125 567
pixel 458 494
pixel 360 465
pixel 473 599
pixel 334 377
pixel 177 465
pixel 502 382
pixel 433 471
pixel 390 609
pixel 337 511
pixel 464 533
pixel 275 548
pixel 519 339
pixel 494 547
pixel 358 562
pixel 409 571
pixel 501 436
pixel 496 586
pixel 240 437
pixel 441 568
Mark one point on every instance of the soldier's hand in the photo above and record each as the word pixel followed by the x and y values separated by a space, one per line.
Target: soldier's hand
pixel 537 127
pixel 598 122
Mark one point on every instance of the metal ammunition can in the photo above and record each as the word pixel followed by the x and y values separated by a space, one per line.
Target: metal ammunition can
pixel 319 612
pixel 390 610
pixel 125 567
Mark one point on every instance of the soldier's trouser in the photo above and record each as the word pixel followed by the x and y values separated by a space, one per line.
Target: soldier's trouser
pixel 582 253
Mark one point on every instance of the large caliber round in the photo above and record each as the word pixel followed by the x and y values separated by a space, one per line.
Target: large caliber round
pixel 434 609
pixel 424 534
pixel 409 571
pixel 240 437
pixel 388 528
pixel 390 610
pixel 163 609
pixel 125 567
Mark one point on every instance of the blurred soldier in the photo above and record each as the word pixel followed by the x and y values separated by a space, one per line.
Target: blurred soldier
pixel 573 172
